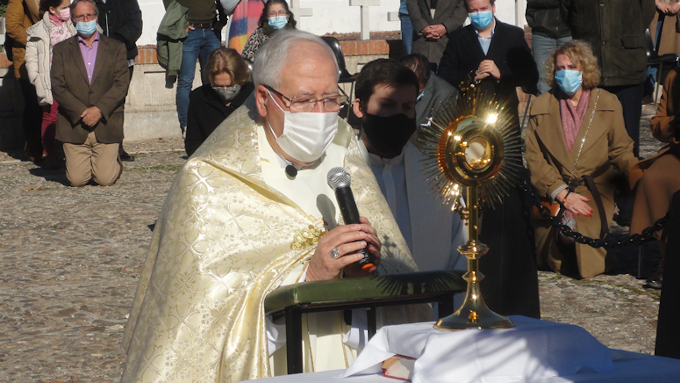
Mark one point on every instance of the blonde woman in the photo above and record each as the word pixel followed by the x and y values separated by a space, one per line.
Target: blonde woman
pixel 212 103
pixel 576 136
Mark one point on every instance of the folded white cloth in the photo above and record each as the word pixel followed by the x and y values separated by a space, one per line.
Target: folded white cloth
pixel 533 349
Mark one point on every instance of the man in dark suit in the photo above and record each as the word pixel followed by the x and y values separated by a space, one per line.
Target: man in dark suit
pixel 496 52
pixel 122 20
pixel 90 79
pixel 432 20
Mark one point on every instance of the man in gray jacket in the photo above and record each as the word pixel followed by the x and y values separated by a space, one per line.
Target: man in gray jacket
pixel 433 90
pixel 432 20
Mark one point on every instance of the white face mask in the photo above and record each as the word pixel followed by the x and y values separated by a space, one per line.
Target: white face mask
pixel 306 136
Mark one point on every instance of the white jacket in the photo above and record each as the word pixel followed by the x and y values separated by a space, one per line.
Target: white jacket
pixel 38 52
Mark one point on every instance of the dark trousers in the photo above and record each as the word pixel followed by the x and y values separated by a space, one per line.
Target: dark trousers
pixel 510 286
pixel 630 97
pixel 131 69
pixel 31 120
pixel 667 330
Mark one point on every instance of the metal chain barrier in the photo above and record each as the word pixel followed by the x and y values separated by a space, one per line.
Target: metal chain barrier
pixel 635 239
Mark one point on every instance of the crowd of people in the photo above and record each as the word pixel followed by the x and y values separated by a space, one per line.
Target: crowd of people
pixel 251 210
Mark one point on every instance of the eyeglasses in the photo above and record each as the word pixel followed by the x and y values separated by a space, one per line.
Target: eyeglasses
pixel 89 17
pixel 279 13
pixel 306 104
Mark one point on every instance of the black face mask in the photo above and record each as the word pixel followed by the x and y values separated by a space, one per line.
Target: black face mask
pixel 388 135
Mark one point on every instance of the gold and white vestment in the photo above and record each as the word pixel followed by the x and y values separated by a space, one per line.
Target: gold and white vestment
pixel 225 239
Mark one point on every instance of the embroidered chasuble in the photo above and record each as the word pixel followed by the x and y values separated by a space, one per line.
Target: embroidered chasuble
pixel 229 233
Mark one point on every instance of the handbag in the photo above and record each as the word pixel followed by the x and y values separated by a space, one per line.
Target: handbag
pixel 553 207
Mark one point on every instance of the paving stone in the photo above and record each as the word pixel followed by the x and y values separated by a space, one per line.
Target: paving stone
pixel 71 259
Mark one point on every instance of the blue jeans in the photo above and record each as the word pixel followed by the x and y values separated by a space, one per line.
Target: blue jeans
pixel 651 71
pixel 542 47
pixel 406 33
pixel 198 45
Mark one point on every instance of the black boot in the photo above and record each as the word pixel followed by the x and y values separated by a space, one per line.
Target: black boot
pixel 656 280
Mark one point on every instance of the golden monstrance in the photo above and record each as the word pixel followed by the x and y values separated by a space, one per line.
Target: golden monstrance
pixel 473 148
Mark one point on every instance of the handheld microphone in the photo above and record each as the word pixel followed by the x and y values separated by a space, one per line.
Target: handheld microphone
pixel 338 179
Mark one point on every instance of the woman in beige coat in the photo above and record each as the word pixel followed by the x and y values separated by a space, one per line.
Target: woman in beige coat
pixel 667 13
pixel 576 133
pixel 660 179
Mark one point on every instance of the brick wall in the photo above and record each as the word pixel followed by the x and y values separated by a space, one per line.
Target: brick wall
pixel 147 53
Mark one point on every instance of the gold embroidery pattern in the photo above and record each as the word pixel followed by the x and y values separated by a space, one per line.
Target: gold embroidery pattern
pixel 306 238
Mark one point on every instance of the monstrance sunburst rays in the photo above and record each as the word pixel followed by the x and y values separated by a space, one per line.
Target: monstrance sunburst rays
pixel 473 140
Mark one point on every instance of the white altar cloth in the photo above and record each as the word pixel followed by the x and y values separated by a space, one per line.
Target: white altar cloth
pixel 614 366
pixel 533 349
pixel 629 367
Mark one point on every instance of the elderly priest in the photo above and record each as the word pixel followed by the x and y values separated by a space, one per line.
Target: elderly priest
pixel 251 211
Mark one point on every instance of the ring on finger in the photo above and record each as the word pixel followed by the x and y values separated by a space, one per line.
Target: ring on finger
pixel 335 253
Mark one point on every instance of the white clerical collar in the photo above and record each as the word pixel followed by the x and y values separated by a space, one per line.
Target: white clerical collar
pixel 284 162
pixel 375 159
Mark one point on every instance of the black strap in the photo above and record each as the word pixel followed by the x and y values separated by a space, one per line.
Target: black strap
pixel 589 181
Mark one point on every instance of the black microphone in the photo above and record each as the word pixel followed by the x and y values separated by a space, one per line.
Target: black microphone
pixel 338 179
pixel 291 171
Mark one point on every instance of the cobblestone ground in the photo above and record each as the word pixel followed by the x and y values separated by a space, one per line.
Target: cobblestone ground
pixel 71 259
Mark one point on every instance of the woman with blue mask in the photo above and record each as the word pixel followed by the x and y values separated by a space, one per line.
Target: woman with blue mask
pixel 576 136
pixel 275 16
pixel 227 89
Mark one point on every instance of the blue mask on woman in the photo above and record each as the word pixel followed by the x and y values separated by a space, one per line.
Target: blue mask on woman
pixel 278 22
pixel 569 80
pixel 86 28
pixel 481 20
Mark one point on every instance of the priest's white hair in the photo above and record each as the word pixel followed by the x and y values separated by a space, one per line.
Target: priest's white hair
pixel 271 58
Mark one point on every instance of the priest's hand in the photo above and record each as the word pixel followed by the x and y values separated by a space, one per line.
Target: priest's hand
pixel 374 246
pixel 347 239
